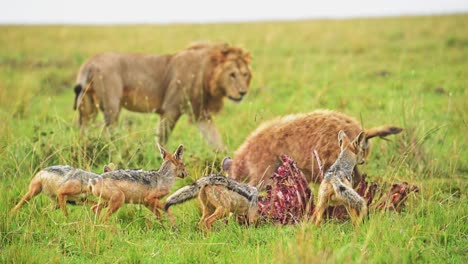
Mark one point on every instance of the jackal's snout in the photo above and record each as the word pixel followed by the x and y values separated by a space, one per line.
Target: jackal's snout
pixel 182 173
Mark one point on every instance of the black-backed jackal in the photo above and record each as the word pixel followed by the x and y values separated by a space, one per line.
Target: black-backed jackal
pixel 336 187
pixel 137 186
pixel 60 183
pixel 219 196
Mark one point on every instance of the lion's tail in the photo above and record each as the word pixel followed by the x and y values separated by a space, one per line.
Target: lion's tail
pixel 78 88
pixel 81 82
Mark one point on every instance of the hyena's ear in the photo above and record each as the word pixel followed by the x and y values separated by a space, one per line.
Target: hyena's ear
pixel 164 152
pixel 226 164
pixel 179 153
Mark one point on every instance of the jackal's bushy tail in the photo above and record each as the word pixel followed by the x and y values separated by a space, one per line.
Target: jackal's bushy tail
pixel 183 194
pixel 349 196
pixel 382 131
pixel 189 192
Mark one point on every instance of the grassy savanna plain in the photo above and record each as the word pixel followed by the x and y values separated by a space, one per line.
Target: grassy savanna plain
pixel 406 71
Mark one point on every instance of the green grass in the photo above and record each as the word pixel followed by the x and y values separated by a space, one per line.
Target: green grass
pixel 407 71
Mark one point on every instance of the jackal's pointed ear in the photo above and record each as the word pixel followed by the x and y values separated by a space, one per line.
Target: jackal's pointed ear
pixel 341 138
pixel 109 167
pixel 164 152
pixel 179 153
pixel 361 140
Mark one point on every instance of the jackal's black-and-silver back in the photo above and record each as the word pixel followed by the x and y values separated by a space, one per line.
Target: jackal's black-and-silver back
pixel 164 177
pixel 70 173
pixel 134 175
pixel 191 191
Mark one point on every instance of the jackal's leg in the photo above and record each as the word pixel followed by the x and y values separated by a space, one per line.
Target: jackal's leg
pixel 156 206
pixel 153 207
pixel 171 218
pixel 160 206
pixel 152 202
pixel 363 213
pixel 97 208
pixel 207 208
pixel 70 188
pixel 207 211
pixel 318 214
pixel 62 200
pixel 353 214
pixel 100 191
pixel 354 203
pixel 218 213
pixel 114 203
pixel 86 201
pixel 322 203
pixel 356 214
pixel 34 189
pixel 54 204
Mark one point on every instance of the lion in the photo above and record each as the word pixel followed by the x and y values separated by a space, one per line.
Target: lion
pixel 192 81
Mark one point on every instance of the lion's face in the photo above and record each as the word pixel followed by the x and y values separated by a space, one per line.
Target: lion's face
pixel 234 80
pixel 231 73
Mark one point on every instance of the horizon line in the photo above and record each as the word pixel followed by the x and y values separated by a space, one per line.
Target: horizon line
pixel 233 21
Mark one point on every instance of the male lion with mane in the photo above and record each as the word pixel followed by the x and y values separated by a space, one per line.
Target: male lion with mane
pixel 194 81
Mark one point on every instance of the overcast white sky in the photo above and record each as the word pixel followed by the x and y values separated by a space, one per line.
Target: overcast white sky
pixel 203 11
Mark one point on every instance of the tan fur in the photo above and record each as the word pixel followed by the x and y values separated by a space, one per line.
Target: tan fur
pixel 58 188
pixel 336 188
pixel 193 81
pixel 217 202
pixel 115 192
pixel 297 136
